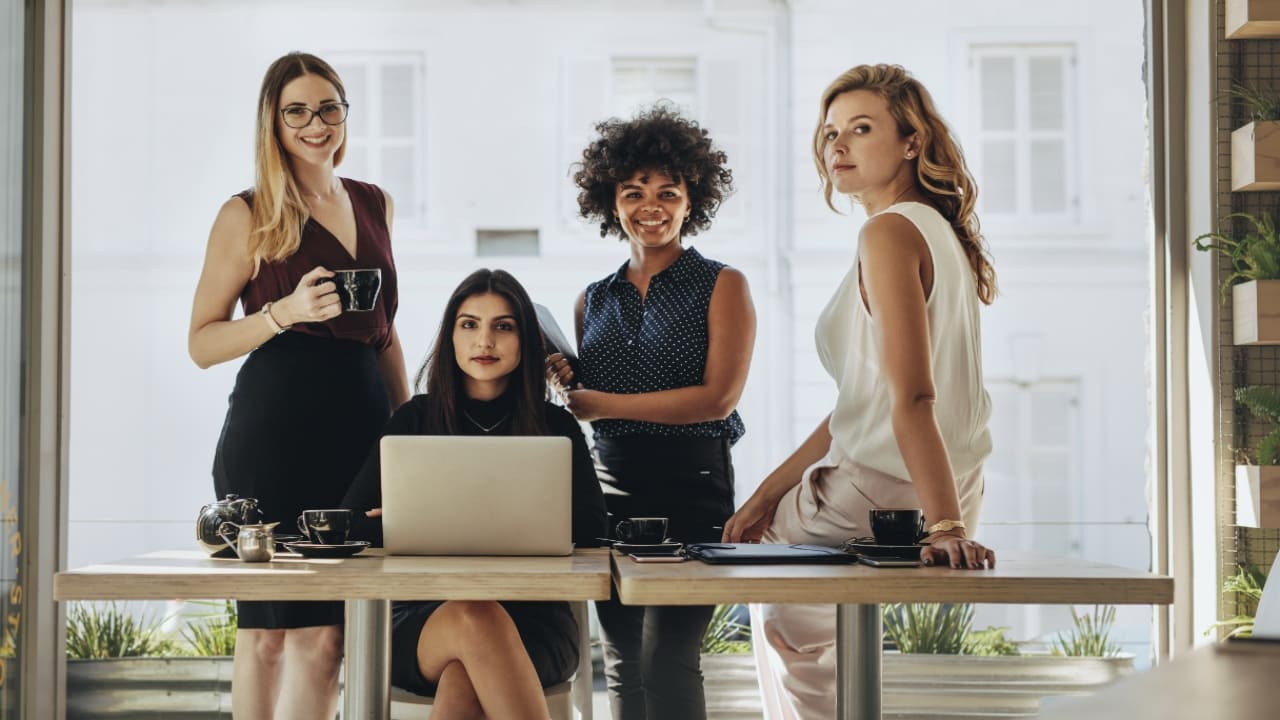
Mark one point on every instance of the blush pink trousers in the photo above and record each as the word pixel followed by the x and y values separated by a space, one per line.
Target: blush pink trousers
pixel 795 645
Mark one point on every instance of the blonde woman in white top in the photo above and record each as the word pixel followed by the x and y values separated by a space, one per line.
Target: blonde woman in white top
pixel 901 339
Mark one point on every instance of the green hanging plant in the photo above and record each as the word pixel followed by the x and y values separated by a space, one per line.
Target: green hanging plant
pixel 1264 404
pixel 1255 254
pixel 1262 104
pixel 1246 585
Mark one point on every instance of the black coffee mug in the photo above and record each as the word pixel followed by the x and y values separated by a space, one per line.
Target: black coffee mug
pixel 896 526
pixel 325 527
pixel 357 289
pixel 642 530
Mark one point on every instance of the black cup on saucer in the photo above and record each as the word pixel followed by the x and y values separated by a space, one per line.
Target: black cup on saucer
pixel 642 530
pixel 897 526
pixel 325 527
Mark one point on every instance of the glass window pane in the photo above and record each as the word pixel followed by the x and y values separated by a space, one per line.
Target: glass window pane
pixel 11 126
pixel 1046 76
pixel 355 81
pixel 998 190
pixel 998 93
pixel 507 243
pixel 397 101
pixel 397 175
pixel 678 80
pixel 1050 418
pixel 356 162
pixel 1048 176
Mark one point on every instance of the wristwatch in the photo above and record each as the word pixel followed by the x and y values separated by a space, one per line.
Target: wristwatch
pixel 945 525
pixel 276 327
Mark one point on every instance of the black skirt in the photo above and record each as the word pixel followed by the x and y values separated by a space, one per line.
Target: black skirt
pixel 304 413
pixel 547 630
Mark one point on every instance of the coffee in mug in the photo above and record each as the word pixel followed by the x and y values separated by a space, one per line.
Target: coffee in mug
pixel 325 527
pixel 896 526
pixel 357 289
pixel 642 530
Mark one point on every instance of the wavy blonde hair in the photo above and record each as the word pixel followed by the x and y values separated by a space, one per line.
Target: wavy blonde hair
pixel 279 212
pixel 941 174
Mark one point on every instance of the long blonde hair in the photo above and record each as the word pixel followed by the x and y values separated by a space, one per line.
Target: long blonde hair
pixel 278 209
pixel 941 174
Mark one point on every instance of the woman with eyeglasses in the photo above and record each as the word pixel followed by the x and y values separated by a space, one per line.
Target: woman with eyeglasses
pixel 316 383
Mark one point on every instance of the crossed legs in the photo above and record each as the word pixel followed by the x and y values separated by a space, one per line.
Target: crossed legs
pixel 472 651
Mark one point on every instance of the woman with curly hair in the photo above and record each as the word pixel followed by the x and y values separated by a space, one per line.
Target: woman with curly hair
pixel 901 339
pixel 665 343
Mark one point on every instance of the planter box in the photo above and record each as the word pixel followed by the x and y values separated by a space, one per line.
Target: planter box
pixel 181 688
pixel 1255 312
pixel 933 686
pixel 1255 156
pixel 1258 496
pixel 1252 19
pixel 732 688
pixel 964 686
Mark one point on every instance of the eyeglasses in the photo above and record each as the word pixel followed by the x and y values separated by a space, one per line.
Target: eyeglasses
pixel 299 116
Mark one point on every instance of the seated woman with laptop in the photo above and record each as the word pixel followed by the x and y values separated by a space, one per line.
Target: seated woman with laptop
pixel 484 376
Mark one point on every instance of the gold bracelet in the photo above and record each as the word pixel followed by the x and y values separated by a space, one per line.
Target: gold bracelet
pixel 945 525
pixel 276 327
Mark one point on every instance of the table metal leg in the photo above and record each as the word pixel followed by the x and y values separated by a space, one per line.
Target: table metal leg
pixel 858 655
pixel 367 695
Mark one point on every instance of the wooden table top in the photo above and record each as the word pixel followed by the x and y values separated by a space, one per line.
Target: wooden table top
pixel 371 575
pixel 1017 578
pixel 1234 681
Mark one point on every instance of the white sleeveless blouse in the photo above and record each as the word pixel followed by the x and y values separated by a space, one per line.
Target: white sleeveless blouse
pixel 861 425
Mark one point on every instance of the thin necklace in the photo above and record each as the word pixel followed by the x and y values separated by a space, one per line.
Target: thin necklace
pixel 484 428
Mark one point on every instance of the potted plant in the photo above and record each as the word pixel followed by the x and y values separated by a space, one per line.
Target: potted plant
pixel 1246 585
pixel 1255 147
pixel 1254 281
pixel 122 666
pixel 729 668
pixel 943 666
pixel 1258 477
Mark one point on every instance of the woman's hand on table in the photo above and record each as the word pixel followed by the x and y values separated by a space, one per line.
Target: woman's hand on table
pixel 954 549
pixel 751 520
pixel 374 513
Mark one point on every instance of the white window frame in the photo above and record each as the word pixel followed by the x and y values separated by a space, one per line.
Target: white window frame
pixel 651 65
pixel 410 207
pixel 1023 216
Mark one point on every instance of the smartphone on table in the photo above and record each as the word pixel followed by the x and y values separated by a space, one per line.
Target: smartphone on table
pixel 888 562
pixel 658 557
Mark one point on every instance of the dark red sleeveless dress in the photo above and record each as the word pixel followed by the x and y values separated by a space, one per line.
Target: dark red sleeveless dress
pixel 309 403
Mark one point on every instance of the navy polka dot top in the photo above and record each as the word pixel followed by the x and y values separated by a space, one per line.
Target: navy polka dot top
pixel 629 346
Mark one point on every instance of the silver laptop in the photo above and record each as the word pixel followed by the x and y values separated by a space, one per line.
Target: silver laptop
pixel 473 495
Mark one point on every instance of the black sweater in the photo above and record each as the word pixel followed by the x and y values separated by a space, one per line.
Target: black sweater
pixel 589 520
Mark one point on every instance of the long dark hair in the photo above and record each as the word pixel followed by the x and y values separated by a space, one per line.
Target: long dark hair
pixel 441 378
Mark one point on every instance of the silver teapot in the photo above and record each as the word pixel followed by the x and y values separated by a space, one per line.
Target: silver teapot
pixel 251 543
pixel 233 509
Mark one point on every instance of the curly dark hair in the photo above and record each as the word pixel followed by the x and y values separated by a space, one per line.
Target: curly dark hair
pixel 656 139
